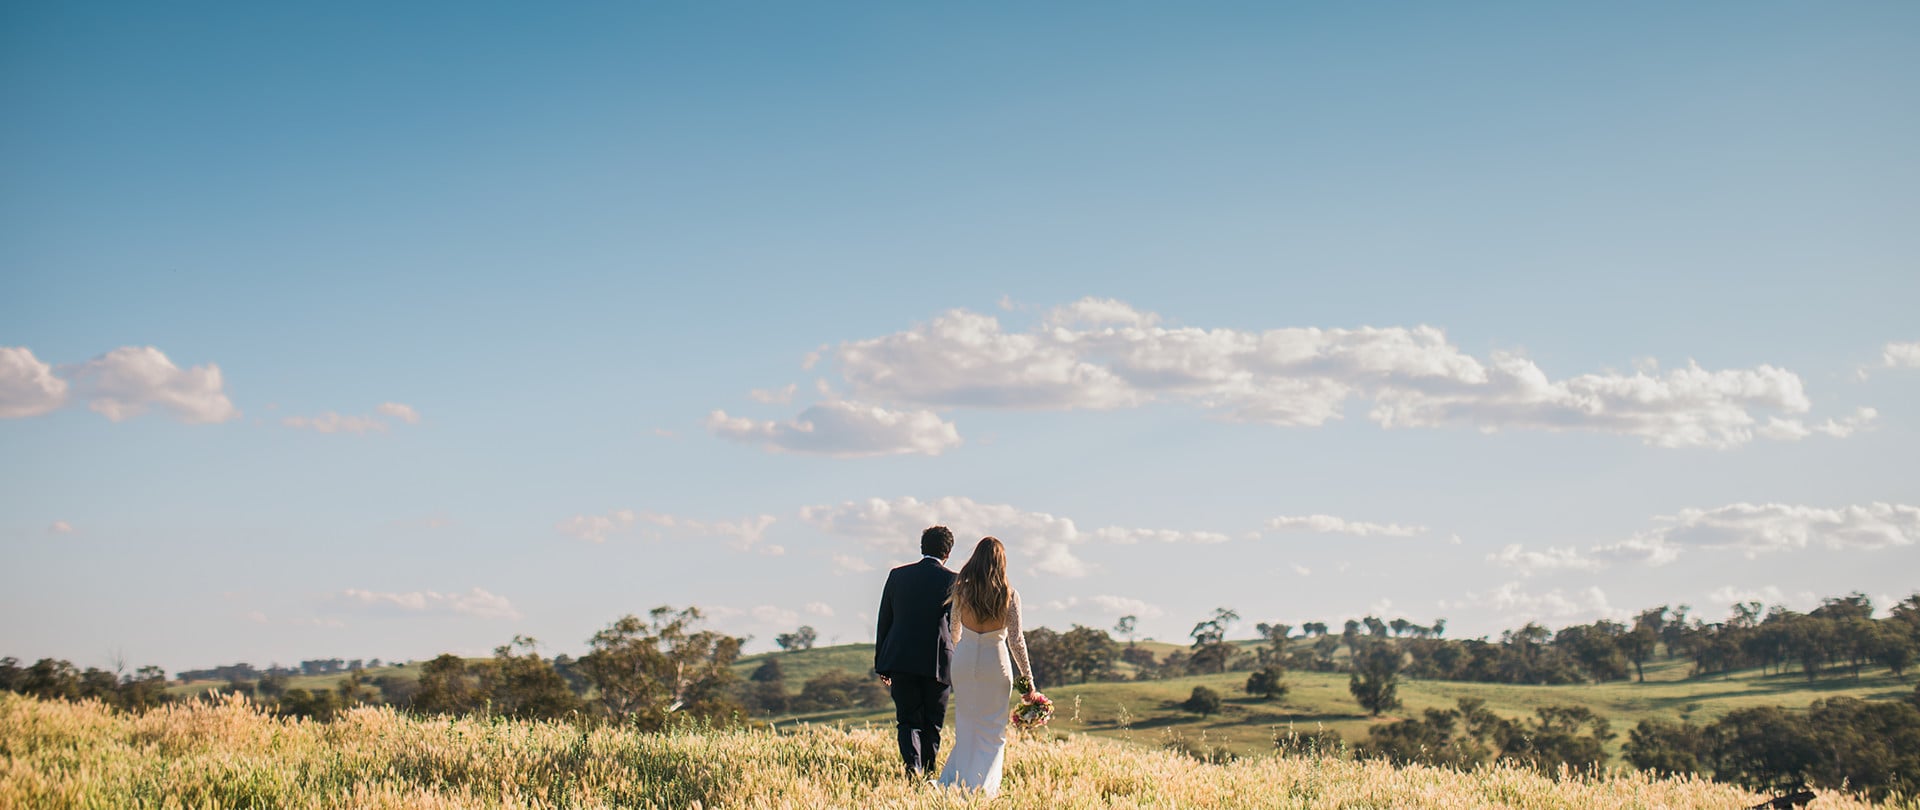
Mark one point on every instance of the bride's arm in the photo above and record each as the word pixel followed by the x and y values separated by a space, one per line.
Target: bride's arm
pixel 1017 640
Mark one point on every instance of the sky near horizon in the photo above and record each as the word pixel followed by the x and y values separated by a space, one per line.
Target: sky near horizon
pixel 366 331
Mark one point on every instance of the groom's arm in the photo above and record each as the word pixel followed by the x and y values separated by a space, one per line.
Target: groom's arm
pixel 885 623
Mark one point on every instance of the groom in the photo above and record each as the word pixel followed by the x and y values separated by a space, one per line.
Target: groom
pixel 913 653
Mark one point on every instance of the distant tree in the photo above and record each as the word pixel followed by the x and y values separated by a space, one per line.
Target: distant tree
pixel 448 685
pixel 1439 627
pixel 355 690
pixel 647 672
pixel 801 639
pixel 144 689
pixel 1090 653
pixel 1573 736
pixel 50 679
pixel 1142 660
pixel 1399 626
pixel 273 684
pixel 528 686
pixel 1210 650
pixel 1202 702
pixel 1268 682
pixel 1314 628
pixel 768 687
pixel 840 689
pixel 1375 680
pixel 1275 635
pixel 1637 645
pixel 1766 748
pixel 1126 627
pixel 769 671
pixel 1457 738
pixel 1048 655
pixel 319 705
pixel 1668 749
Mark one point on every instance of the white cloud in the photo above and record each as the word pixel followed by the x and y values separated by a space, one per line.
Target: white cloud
pixel 1127 606
pixel 27 386
pixel 1795 429
pixel 1302 570
pixel 1728 595
pixel 127 381
pixel 844 429
pixel 773 396
pixel 1553 559
pixel 1516 605
pixel 60 527
pixel 1045 542
pixel 402 412
pixel 819 609
pixel 1901 355
pixel 1097 353
pixel 777 616
pixel 1107 605
pixel 331 422
pixel 1125 536
pixel 742 534
pixel 596 527
pixel 665 433
pixel 1328 524
pixel 847 563
pixel 1761 528
pixel 476 602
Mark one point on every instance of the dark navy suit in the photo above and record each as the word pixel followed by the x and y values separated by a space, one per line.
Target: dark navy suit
pixel 913 647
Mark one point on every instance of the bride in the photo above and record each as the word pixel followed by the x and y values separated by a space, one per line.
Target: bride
pixel 987 610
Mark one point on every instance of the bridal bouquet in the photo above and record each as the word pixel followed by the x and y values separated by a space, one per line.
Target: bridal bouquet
pixel 1034 710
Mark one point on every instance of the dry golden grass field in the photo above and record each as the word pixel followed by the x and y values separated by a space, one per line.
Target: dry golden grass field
pixel 230 755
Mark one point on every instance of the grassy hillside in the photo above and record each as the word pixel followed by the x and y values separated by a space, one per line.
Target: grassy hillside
pixel 58 754
pixel 307 682
pixel 1146 712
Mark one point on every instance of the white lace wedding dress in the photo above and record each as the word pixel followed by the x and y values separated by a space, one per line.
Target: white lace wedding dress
pixel 982 685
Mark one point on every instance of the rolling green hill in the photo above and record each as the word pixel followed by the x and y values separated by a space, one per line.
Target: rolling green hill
pixel 1147 711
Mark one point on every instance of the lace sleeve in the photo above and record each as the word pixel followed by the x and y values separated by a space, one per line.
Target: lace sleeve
pixel 1017 639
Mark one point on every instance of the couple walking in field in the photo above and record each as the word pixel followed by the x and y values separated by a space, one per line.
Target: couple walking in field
pixel 943 633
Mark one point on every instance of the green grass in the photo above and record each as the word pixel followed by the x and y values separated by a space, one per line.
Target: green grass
pixel 308 682
pixel 1147 711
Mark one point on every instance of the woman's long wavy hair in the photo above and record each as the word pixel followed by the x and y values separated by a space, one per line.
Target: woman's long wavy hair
pixel 981 591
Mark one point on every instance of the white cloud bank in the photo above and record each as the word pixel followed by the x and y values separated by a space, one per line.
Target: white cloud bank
pixel 741 535
pixel 1328 524
pixel 1553 559
pixel 1755 529
pixel 1747 528
pixel 27 386
pixel 1901 355
pixel 476 602
pixel 845 429
pixel 1101 354
pixel 1515 604
pixel 1044 542
pixel 119 385
pixel 331 422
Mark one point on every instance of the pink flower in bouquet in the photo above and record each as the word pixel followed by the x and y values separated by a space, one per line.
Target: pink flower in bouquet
pixel 1034 711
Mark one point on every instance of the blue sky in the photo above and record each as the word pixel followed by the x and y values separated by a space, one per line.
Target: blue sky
pixel 1044 273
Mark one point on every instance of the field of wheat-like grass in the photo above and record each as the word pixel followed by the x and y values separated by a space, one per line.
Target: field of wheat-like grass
pixel 229 754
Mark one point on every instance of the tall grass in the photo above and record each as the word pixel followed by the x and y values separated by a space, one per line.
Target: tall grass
pixel 229 754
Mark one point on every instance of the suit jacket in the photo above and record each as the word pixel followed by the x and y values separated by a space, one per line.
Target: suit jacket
pixel 912 638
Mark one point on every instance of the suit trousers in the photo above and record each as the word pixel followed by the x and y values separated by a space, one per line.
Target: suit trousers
pixel 920 706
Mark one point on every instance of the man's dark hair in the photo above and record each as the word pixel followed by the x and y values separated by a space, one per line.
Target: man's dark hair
pixel 936 541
